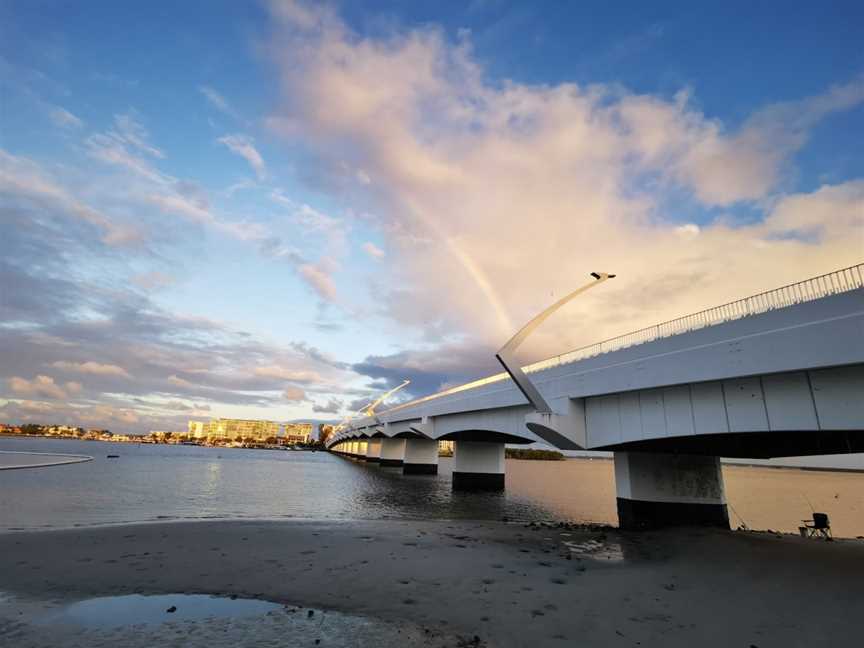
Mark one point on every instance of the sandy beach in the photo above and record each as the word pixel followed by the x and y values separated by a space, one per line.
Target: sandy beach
pixel 397 583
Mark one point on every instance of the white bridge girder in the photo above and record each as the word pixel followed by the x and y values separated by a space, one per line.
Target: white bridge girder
pixel 793 369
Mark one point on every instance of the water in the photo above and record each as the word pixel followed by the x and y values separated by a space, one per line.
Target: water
pixel 157 482
pixel 133 609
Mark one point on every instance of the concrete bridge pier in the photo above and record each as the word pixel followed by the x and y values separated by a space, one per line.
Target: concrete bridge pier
pixel 373 450
pixel 421 457
pixel 478 465
pixel 660 490
pixel 392 452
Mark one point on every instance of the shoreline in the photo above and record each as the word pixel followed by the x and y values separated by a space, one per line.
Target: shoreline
pixel 70 459
pixel 508 584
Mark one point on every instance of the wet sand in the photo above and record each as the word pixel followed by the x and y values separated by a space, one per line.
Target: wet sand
pixel 398 583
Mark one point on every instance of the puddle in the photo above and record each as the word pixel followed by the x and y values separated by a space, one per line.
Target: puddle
pixel 133 609
pixel 611 551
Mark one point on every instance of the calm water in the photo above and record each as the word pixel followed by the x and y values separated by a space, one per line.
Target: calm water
pixel 113 611
pixel 153 482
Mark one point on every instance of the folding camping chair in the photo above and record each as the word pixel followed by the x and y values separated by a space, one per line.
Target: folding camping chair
pixel 818 527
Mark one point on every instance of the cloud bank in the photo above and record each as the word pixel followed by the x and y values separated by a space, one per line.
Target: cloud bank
pixel 496 197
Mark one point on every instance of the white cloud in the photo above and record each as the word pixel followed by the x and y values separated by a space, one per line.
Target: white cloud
pixel 244 146
pixel 63 118
pixel 688 229
pixel 821 215
pixel 283 373
pixel 334 231
pixel 373 250
pixel 331 406
pixel 154 280
pixel 127 145
pixel 129 130
pixel 294 394
pixel 106 414
pixel 319 280
pixel 109 150
pixel 93 368
pixel 177 381
pixel 497 198
pixel 217 101
pixel 23 178
pixel 42 386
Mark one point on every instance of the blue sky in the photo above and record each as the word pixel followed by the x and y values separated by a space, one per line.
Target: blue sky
pixel 278 209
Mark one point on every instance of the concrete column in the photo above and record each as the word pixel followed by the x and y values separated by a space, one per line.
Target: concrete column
pixel 421 457
pixel 478 465
pixel 392 452
pixel 373 450
pixel 657 490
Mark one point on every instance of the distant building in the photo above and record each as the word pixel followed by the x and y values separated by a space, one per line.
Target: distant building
pixel 231 429
pixel 197 429
pixel 297 433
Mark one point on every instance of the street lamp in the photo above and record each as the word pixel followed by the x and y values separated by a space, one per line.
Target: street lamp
pixel 369 409
pixel 506 354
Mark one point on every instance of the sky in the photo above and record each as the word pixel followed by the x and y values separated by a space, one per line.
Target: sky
pixel 280 210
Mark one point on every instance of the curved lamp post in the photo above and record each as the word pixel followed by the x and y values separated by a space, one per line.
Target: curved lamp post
pixel 505 354
pixel 369 410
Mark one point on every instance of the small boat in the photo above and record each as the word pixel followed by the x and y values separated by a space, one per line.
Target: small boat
pixel 112 456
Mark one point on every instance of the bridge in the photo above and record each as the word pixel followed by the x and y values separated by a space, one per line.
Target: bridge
pixel 776 374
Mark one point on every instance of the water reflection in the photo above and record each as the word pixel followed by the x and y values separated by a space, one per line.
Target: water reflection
pixel 134 609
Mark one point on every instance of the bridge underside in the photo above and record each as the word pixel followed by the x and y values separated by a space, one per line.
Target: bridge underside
pixel 484 436
pixel 752 445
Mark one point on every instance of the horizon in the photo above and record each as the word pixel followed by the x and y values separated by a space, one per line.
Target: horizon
pixel 280 210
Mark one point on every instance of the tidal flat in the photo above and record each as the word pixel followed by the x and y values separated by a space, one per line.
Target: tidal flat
pixel 437 583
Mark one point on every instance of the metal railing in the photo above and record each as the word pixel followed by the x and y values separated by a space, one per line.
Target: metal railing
pixel 832 283
pixel 839 281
